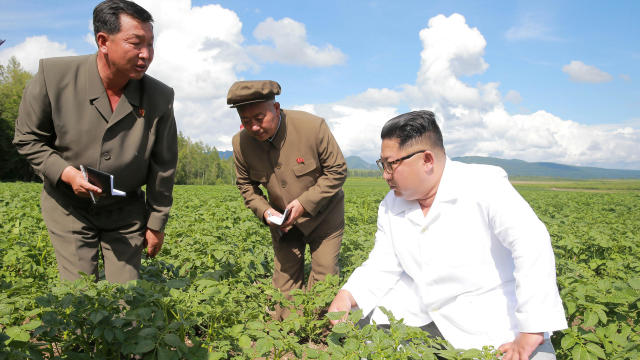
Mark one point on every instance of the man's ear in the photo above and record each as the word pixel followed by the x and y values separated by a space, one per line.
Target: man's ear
pixel 429 159
pixel 102 39
pixel 276 105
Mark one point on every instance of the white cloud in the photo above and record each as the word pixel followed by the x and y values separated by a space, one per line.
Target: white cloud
pixel 198 52
pixel 625 77
pixel 34 48
pixel 513 96
pixel 473 118
pixel 290 45
pixel 583 73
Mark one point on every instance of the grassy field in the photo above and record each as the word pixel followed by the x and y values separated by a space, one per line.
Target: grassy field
pixel 208 293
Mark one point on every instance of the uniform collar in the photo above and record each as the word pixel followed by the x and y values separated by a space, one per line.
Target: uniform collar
pixel 281 133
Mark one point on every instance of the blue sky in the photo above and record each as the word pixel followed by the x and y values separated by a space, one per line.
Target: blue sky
pixel 540 81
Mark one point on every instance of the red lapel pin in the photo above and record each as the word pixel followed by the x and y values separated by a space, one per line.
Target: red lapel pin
pixel 141 112
pixel 300 160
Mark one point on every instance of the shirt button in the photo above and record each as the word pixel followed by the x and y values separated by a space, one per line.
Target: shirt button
pixel 106 156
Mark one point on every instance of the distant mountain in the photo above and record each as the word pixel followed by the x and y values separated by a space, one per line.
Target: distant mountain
pixel 355 162
pixel 515 167
pixel 225 154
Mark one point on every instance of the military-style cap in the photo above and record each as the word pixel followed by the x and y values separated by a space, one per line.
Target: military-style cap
pixel 246 92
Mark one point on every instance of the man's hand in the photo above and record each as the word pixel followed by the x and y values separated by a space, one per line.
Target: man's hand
pixel 522 347
pixel 343 301
pixel 153 241
pixel 270 212
pixel 295 211
pixel 75 179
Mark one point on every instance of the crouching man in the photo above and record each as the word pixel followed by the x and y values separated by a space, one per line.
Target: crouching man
pixel 458 251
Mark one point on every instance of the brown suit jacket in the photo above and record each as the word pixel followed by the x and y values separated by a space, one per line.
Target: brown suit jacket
pixel 302 162
pixel 65 119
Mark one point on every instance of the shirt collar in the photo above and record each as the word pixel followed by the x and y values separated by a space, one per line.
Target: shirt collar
pixel 277 140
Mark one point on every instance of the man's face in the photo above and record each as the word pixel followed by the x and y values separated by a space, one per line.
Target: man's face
pixel 260 119
pixel 130 51
pixel 409 178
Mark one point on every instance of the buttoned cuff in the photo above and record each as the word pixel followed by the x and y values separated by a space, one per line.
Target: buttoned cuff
pixel 54 167
pixel 157 221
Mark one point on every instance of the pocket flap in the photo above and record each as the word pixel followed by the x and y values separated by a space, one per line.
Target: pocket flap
pixel 305 167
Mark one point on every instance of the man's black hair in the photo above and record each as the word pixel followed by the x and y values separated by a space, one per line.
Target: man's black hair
pixel 411 126
pixel 106 16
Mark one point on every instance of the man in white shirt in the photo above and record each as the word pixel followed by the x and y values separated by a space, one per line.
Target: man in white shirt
pixel 458 249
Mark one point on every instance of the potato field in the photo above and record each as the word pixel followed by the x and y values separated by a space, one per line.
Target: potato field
pixel 208 294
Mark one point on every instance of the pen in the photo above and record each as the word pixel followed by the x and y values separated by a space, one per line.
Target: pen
pixel 84 173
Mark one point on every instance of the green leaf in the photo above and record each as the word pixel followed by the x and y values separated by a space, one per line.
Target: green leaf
pixel 568 341
pixel 145 346
pixel 341 328
pixel 167 354
pixel 31 325
pixel 149 332
pixel 97 316
pixel 108 334
pixel 590 319
pixel 596 350
pixel 176 284
pixel 173 340
pixel 244 342
pixel 581 353
pixel 335 315
pixel 264 345
pixel 18 334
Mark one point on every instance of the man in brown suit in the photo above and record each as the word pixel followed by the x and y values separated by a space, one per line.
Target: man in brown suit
pixel 295 157
pixel 102 111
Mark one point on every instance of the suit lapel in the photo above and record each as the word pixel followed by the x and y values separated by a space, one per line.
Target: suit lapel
pixel 96 95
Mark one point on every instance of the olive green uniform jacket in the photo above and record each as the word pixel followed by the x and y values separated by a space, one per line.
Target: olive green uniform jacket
pixel 303 161
pixel 65 119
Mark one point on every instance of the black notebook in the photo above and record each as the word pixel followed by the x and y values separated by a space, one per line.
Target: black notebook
pixel 102 180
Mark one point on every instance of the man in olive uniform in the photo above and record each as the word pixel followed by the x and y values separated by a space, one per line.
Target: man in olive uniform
pixel 295 157
pixel 102 111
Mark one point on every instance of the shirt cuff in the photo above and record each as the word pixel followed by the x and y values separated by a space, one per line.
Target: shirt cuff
pixel 549 319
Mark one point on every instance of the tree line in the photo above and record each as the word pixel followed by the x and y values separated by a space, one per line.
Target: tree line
pixel 198 163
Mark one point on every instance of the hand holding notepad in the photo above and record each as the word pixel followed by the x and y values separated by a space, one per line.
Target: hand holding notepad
pixel 279 220
pixel 102 180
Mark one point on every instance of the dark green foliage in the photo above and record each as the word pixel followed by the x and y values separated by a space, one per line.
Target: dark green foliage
pixel 12 82
pixel 208 295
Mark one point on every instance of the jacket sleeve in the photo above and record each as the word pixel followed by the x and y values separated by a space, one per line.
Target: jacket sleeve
pixel 34 131
pixel 162 171
pixel 517 227
pixel 379 273
pixel 334 172
pixel 254 198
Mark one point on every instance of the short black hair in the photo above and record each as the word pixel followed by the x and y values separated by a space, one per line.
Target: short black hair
pixel 106 16
pixel 412 126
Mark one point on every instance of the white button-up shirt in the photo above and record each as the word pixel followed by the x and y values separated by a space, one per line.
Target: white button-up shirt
pixel 480 264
